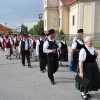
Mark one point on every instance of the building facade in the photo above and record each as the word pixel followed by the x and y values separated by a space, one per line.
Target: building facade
pixel 71 15
pixel 5 30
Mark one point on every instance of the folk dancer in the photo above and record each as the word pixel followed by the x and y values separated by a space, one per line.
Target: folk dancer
pixel 40 53
pixel 88 68
pixel 24 48
pixel 50 48
pixel 63 51
pixel 77 45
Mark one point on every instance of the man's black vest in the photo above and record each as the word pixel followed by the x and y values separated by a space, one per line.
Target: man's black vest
pixel 23 46
pixel 41 48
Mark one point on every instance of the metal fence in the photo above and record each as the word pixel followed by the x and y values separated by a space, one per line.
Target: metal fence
pixel 70 37
pixel 96 36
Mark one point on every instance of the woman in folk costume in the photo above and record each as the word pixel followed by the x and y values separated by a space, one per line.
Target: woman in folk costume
pixel 88 68
pixel 63 51
pixel 8 47
pixel 77 45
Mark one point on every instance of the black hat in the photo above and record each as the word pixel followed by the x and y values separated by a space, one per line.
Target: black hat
pixel 42 34
pixel 80 31
pixel 7 37
pixel 24 35
pixel 51 31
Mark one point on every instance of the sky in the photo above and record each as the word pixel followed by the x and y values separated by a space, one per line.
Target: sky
pixel 16 12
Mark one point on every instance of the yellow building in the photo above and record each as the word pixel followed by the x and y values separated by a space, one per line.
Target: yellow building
pixel 71 15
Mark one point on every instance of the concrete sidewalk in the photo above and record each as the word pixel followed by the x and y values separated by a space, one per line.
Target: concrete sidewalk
pixel 22 83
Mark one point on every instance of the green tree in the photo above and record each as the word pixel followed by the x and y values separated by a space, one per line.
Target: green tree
pixel 61 32
pixel 24 29
pixel 37 29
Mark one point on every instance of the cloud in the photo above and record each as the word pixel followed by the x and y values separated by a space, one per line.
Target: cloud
pixel 16 12
pixel 29 25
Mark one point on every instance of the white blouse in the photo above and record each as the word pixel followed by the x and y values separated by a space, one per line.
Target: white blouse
pixel 74 44
pixel 82 54
pixel 60 45
pixel 46 45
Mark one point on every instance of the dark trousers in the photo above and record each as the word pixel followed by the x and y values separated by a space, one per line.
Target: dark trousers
pixel 52 65
pixel 26 54
pixel 43 62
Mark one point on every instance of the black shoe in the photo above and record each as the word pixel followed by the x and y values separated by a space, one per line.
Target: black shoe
pixel 10 59
pixel 84 97
pixel 53 82
pixel 43 71
pixel 23 65
pixel 88 95
pixel 29 66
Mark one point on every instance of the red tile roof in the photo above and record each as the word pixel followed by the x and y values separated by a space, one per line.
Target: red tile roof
pixel 4 29
pixel 68 2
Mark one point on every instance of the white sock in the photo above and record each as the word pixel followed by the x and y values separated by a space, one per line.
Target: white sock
pixel 83 94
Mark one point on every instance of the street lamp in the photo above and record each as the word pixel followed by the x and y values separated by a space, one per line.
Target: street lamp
pixel 40 16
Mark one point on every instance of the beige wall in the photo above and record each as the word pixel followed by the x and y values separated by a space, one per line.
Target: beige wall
pixel 51 17
pixel 45 20
pixel 97 17
pixel 86 16
pixel 64 19
pixel 73 12
pixel 50 3
pixel 45 2
pixel 54 3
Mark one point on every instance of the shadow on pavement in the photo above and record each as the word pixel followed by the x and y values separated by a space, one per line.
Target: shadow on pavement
pixel 65 80
pixel 96 96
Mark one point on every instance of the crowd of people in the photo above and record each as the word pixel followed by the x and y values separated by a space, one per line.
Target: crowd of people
pixel 52 54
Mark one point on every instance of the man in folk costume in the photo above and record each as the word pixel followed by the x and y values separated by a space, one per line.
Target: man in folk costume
pixel 40 53
pixel 31 44
pixel 63 51
pixel 8 48
pixel 88 68
pixel 24 48
pixel 50 48
pixel 77 45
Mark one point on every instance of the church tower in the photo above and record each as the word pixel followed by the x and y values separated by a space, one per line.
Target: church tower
pixel 51 15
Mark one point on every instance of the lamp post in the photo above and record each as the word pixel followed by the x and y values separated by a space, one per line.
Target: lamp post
pixel 40 18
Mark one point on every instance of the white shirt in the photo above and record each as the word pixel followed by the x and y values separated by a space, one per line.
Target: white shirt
pixel 82 54
pixel 0 39
pixel 74 44
pixel 15 40
pixel 75 38
pixel 60 45
pixel 11 42
pixel 26 45
pixel 30 42
pixel 46 45
pixel 37 46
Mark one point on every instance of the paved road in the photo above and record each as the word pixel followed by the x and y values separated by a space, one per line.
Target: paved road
pixel 22 83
